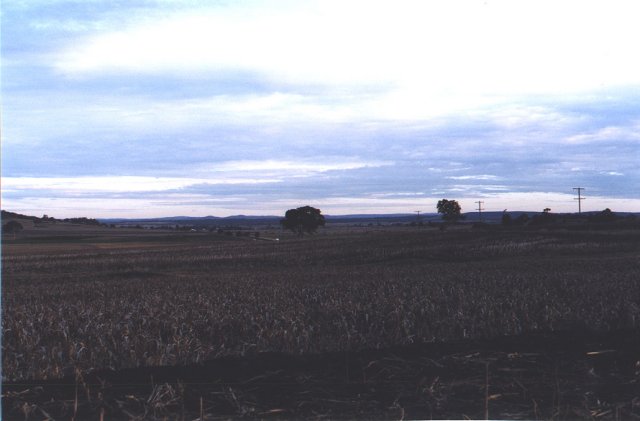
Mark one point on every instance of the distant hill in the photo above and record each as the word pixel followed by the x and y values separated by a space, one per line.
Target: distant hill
pixel 12 215
pixel 255 218
pixel 82 220
pixel 488 217
pixel 352 219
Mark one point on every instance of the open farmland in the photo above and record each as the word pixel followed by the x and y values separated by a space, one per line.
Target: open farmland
pixel 84 304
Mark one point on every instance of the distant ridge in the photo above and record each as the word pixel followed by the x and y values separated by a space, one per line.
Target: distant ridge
pixel 487 216
pixel 400 217
pixel 82 220
pixel 188 218
pixel 7 215
pixel 368 215
pixel 255 217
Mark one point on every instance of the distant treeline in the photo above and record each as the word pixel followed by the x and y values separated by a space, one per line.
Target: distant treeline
pixel 82 220
pixel 13 215
pixel 45 218
pixel 546 219
pixel 605 219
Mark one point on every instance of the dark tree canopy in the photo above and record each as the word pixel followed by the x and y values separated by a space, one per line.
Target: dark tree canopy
pixel 450 210
pixel 305 219
pixel 546 217
pixel 522 219
pixel 605 216
pixel 12 227
pixel 506 218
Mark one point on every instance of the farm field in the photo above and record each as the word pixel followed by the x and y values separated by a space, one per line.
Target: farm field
pixel 384 322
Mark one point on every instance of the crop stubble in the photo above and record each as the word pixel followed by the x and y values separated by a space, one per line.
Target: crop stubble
pixel 155 306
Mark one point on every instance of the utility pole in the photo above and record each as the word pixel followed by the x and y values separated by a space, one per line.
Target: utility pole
pixel 480 208
pixel 579 198
pixel 418 217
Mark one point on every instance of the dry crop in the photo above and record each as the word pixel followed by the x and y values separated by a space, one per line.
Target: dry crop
pixel 77 312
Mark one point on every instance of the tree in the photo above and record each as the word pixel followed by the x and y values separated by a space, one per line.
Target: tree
pixel 605 216
pixel 12 227
pixel 546 217
pixel 506 218
pixel 305 219
pixel 522 219
pixel 450 210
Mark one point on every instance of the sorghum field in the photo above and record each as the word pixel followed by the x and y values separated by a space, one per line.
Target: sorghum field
pixel 371 323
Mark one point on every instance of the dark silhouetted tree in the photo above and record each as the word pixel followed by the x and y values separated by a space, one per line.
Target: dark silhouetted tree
pixel 506 218
pixel 546 217
pixel 12 227
pixel 305 219
pixel 522 219
pixel 450 210
pixel 605 216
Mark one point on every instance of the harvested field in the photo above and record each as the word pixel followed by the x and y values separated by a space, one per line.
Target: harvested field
pixel 370 323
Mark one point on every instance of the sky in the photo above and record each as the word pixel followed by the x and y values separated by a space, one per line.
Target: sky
pixel 146 108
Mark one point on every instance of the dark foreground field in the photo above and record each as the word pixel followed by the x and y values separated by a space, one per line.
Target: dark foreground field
pixel 365 324
pixel 533 376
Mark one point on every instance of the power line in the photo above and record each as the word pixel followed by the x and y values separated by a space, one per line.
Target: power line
pixel 579 198
pixel 480 208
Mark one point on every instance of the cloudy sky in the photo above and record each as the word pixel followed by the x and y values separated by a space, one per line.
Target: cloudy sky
pixel 169 107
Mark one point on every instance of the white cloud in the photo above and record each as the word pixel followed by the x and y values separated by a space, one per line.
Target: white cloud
pixel 480 177
pixel 246 172
pixel 115 184
pixel 398 194
pixel 293 167
pixel 325 86
pixel 610 133
pixel 438 49
pixel 127 207
pixel 172 204
pixel 521 116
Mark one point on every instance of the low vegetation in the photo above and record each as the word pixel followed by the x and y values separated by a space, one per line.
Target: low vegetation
pixel 64 313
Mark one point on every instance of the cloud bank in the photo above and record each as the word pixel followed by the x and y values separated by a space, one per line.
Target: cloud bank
pixel 252 107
